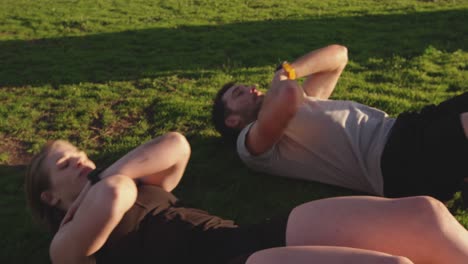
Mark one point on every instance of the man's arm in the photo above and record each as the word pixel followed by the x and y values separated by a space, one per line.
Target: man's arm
pixel 99 213
pixel 278 108
pixel 322 69
pixel 283 98
pixel 161 161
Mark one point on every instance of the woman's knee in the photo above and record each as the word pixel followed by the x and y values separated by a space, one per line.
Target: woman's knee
pixel 390 259
pixel 323 255
pixel 429 210
pixel 269 255
pixel 427 204
pixel 397 260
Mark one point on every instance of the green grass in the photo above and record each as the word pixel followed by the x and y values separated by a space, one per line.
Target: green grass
pixel 108 75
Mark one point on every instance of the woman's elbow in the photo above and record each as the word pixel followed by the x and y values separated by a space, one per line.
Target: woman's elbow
pixel 121 191
pixel 181 143
pixel 172 144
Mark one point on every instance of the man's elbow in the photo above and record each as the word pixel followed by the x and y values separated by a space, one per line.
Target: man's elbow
pixel 341 53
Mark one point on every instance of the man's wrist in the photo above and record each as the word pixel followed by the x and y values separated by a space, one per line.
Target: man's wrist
pixel 286 70
pixel 290 71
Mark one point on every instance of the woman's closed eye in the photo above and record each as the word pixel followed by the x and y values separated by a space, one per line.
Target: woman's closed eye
pixel 63 164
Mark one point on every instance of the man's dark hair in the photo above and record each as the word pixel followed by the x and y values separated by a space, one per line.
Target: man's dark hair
pixel 220 112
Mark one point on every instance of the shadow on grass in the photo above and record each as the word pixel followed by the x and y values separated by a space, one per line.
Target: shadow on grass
pixel 12 177
pixel 227 189
pixel 216 180
pixel 21 241
pixel 188 50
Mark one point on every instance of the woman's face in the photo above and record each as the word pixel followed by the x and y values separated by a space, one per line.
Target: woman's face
pixel 68 168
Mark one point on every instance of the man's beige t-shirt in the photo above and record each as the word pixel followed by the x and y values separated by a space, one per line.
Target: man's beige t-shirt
pixel 329 141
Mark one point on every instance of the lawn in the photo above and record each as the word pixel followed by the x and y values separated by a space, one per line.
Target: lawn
pixel 110 74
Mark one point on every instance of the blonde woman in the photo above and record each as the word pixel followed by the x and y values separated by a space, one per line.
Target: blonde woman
pixel 126 214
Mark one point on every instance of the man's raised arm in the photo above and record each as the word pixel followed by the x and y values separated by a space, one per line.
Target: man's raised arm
pixel 322 68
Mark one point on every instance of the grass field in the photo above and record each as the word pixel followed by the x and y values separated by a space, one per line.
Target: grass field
pixel 109 75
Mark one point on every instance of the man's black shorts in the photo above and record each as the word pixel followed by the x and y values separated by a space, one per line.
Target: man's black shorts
pixel 427 151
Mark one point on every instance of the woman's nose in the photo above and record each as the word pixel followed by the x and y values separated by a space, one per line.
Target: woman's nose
pixel 78 162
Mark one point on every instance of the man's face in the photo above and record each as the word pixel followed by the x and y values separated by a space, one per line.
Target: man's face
pixel 244 101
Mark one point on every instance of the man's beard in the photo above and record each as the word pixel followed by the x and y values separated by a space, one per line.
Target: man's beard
pixel 258 106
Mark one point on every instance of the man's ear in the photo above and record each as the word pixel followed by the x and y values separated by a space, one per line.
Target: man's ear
pixel 48 198
pixel 233 121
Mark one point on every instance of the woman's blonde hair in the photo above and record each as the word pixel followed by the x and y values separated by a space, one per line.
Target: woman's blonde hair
pixel 37 180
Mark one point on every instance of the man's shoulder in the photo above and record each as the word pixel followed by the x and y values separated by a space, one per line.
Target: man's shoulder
pixel 242 140
pixel 243 150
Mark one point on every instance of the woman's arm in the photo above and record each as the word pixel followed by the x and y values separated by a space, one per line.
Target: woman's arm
pixel 161 161
pixel 101 210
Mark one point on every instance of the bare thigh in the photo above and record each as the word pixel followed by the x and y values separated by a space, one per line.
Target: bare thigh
pixel 419 228
pixel 323 255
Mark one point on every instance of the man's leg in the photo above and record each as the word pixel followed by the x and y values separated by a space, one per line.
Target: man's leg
pixel 457 104
pixel 426 152
pixel 419 228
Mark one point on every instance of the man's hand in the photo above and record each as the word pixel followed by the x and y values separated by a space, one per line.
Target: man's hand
pixel 280 75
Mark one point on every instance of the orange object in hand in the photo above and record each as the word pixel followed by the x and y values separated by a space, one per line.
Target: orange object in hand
pixel 289 70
